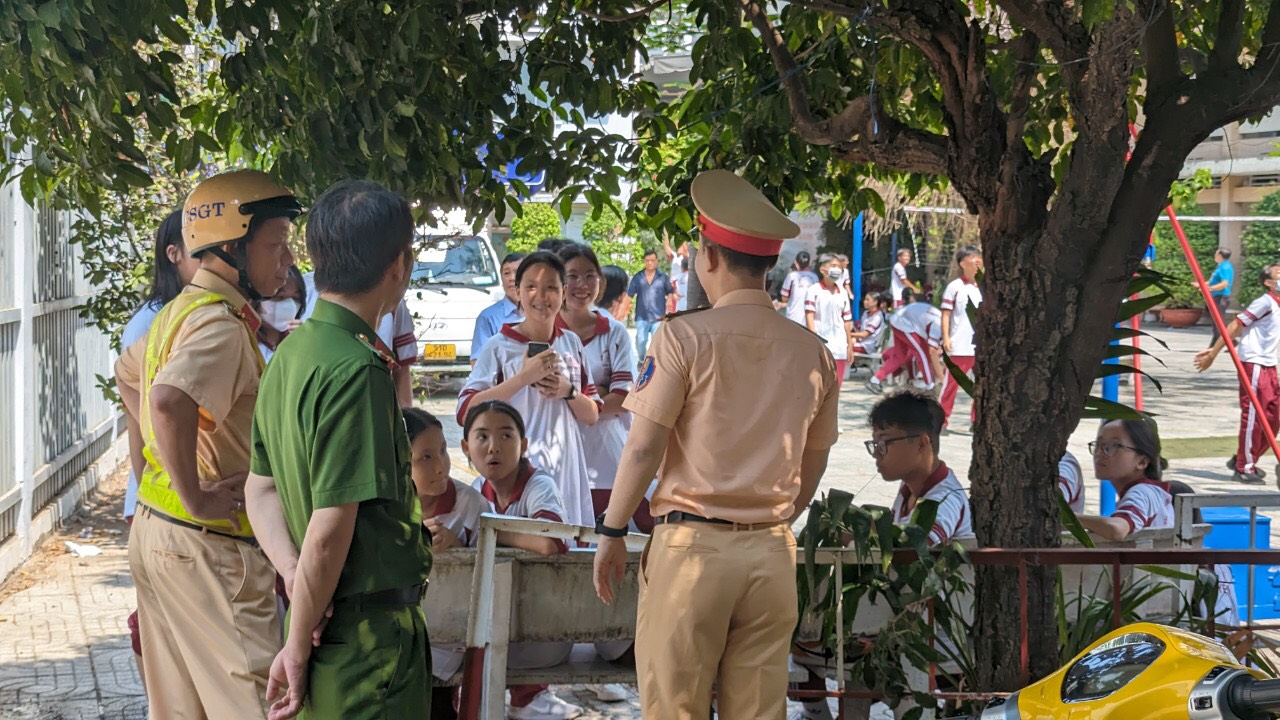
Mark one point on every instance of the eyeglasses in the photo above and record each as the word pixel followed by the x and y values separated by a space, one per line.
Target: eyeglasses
pixel 880 447
pixel 1109 449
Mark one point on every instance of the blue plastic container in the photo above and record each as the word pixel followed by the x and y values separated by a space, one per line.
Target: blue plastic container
pixel 1231 532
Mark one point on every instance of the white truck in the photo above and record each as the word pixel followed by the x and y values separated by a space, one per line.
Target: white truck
pixel 454 279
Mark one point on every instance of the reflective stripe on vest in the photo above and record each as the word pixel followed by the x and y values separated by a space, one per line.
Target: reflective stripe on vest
pixel 154 488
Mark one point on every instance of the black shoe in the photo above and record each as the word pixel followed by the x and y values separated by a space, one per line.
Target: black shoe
pixel 874 387
pixel 1253 478
pixel 1231 465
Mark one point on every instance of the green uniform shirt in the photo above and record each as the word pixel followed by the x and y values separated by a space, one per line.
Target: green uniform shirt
pixel 328 429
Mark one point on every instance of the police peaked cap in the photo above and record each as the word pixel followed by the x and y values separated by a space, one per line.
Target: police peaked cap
pixel 734 214
pixel 221 208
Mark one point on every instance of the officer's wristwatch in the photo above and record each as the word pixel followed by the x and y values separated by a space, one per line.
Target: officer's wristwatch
pixel 605 530
pixel 573 392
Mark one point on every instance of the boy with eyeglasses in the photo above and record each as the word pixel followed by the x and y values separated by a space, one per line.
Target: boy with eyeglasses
pixel 905 428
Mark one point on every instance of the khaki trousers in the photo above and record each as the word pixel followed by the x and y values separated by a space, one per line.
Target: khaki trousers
pixel 717 606
pixel 207 609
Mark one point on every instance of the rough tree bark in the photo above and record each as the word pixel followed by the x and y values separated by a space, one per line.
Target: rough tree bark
pixel 1058 255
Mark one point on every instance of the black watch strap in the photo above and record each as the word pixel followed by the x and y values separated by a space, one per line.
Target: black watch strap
pixel 605 530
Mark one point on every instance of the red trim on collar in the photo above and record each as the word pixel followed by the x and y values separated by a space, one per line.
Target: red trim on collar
pixel 448 500
pixel 509 330
pixel 250 317
pixel 909 501
pixel 522 479
pixel 748 244
pixel 601 328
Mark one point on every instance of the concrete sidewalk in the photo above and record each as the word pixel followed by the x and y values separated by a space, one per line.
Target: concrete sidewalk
pixel 64 648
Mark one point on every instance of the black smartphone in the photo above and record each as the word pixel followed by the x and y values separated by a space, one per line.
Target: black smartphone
pixel 537 348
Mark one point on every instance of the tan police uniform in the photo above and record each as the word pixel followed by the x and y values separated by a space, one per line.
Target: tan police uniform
pixel 206 592
pixel 717 592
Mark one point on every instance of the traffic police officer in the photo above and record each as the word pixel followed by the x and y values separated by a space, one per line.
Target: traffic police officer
pixel 737 460
pixel 206 600
pixel 331 489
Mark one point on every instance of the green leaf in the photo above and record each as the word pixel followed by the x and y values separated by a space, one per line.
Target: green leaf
pixel 1130 308
pixel 1072 524
pixel 133 176
pixel 50 14
pixel 1097 408
pixel 1110 369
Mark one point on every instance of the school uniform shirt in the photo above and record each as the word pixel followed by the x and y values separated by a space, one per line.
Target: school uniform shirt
pixel 793 291
pixel 536 496
pixel 831 310
pixel 609 359
pixel 1071 482
pixel 874 324
pixel 898 281
pixel 555 435
pixel 959 295
pixel 459 511
pixel 920 319
pixel 954 519
pixel 491 320
pixel 1146 504
pixel 1261 337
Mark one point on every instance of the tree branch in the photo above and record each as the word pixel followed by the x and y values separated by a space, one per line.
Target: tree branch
pixel 862 131
pixel 1050 21
pixel 625 17
pixel 1226 51
pixel 1160 49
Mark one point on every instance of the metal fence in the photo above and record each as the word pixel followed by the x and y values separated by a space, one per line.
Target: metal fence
pixel 54 421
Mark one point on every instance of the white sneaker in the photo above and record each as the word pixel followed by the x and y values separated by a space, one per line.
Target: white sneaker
pixel 610 692
pixel 545 706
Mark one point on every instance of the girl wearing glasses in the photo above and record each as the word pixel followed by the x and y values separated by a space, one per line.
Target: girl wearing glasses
pixel 1127 452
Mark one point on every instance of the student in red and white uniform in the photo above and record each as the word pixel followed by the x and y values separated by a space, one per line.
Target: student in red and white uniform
pixel 551 390
pixel 1071 482
pixel 866 339
pixel 957 330
pixel 1258 330
pixel 828 315
pixel 794 286
pixel 899 281
pixel 905 429
pixel 493 439
pixel 917 338
pixel 1127 452
pixel 607 350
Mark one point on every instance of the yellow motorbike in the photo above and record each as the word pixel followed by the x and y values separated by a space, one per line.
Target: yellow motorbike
pixel 1145 672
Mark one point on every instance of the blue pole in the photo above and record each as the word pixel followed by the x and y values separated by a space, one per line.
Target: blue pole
pixel 1107 491
pixel 855 267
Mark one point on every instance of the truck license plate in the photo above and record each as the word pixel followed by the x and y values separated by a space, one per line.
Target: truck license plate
pixel 437 352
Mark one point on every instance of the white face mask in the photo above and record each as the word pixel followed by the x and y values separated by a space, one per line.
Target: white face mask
pixel 835 274
pixel 279 313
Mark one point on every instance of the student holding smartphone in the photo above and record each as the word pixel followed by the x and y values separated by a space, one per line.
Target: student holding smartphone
pixel 540 369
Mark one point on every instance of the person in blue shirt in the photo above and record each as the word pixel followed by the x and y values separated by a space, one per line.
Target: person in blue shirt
pixel 1220 286
pixel 650 288
pixel 504 311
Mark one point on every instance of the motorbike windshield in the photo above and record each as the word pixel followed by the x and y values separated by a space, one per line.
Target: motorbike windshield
pixel 1110 666
pixel 454 261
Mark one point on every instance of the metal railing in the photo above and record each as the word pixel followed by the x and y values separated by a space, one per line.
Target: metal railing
pixel 54 420
pixel 1184 509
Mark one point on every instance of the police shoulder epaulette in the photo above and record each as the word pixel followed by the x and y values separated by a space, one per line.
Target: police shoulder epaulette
pixel 682 313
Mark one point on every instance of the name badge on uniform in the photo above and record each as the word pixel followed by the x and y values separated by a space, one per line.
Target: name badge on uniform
pixel 646 373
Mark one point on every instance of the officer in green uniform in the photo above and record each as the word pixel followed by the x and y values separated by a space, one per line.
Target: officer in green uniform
pixel 330 480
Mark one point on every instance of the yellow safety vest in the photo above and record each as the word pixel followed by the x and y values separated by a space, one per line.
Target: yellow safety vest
pixel 154 489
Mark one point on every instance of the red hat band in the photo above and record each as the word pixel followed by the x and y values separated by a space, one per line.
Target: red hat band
pixel 749 244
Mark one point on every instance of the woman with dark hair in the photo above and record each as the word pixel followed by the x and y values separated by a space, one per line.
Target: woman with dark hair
pixel 1127 452
pixel 171 270
pixel 614 297
pixel 540 369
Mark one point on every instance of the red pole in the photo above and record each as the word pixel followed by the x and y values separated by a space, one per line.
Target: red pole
pixel 1267 430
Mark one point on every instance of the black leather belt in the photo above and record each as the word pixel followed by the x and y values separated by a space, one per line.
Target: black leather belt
pixel 199 528
pixel 411 595
pixel 678 516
